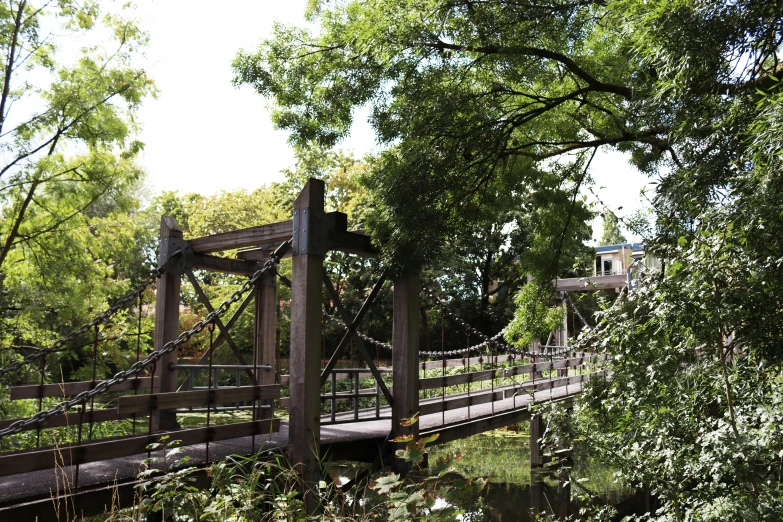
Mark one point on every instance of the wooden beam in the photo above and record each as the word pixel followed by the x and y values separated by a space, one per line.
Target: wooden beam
pixel 167 316
pixel 453 380
pixel 476 398
pixel 196 398
pixel 451 363
pixel 265 335
pixel 487 395
pixel 260 254
pixel 225 265
pixel 536 449
pixel 67 455
pixel 356 242
pixel 352 243
pixel 247 237
pixel 437 382
pixel 73 418
pixel 67 389
pixel 304 382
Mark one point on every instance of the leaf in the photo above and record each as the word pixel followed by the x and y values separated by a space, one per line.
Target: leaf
pixel 386 484
pixel 410 421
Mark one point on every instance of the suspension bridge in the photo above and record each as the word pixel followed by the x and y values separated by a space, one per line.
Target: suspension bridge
pixel 332 413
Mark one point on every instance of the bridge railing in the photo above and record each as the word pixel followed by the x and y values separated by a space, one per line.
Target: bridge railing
pixel 193 371
pixel 331 395
pixel 503 380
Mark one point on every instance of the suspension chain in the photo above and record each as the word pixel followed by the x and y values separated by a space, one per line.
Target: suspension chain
pixel 496 339
pixel 366 338
pixel 100 319
pixel 153 357
pixel 337 322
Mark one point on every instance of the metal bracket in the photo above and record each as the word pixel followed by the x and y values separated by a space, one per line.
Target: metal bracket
pixel 175 245
pixel 310 232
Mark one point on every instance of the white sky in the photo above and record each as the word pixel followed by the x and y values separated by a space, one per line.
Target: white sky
pixel 203 135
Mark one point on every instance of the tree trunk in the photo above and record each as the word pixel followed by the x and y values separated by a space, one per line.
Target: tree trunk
pixel 14 232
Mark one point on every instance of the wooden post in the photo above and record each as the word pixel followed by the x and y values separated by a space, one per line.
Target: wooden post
pixel 167 318
pixel 265 338
pixel 536 450
pixel 405 357
pixel 309 248
pixel 563 372
pixel 537 497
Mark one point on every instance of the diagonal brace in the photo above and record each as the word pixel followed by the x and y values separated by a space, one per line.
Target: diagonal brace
pixel 352 331
pixel 223 330
pixel 224 333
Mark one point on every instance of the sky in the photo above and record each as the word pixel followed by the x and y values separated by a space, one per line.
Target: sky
pixel 203 135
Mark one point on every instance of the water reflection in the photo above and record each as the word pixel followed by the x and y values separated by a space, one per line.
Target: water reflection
pixel 514 493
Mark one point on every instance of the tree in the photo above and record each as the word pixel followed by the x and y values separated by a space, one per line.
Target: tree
pixel 612 234
pixel 470 97
pixel 71 238
pixel 66 127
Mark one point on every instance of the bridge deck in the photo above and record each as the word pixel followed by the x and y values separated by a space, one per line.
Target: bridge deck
pixel 340 440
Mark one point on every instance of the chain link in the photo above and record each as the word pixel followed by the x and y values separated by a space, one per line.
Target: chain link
pixel 138 366
pixel 496 339
pixel 478 347
pixel 366 338
pixel 100 319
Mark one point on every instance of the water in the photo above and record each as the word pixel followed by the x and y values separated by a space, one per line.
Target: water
pixel 514 493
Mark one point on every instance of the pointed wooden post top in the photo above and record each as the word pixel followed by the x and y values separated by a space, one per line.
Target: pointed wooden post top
pixel 169 227
pixel 312 195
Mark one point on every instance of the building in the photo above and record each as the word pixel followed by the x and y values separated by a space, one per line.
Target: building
pixel 615 267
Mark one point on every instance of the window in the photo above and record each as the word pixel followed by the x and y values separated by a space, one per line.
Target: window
pixel 607 266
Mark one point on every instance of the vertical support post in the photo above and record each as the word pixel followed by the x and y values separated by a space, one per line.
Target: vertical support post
pixel 265 338
pixel 537 497
pixel 309 248
pixel 563 334
pixel 536 432
pixel 405 357
pixel 167 318
pixel 356 399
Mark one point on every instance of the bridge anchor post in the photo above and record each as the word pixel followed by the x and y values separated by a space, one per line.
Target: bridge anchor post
pixel 405 357
pixel 536 446
pixel 167 319
pixel 309 249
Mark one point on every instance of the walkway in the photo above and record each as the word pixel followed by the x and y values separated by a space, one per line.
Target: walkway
pixel 349 441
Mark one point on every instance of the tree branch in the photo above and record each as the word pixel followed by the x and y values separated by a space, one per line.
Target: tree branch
pixel 570 64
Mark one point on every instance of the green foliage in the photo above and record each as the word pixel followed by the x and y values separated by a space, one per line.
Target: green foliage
pixel 535 317
pixel 458 109
pixel 167 482
pixel 612 234
pixel 266 487
pixel 693 406
pixel 71 237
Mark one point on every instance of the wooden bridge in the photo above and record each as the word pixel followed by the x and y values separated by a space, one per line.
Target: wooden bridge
pixel 88 470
